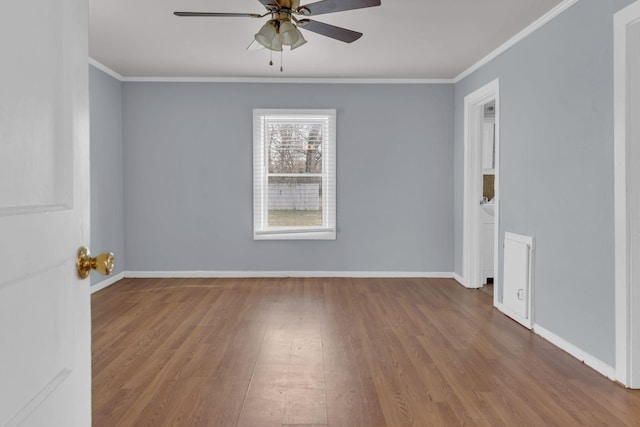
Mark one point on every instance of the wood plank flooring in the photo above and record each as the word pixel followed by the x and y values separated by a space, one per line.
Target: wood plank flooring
pixel 332 352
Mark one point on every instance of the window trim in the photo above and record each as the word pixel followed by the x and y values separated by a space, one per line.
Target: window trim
pixel 260 176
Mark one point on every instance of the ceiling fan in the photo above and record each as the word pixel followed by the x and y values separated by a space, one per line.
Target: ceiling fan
pixel 282 27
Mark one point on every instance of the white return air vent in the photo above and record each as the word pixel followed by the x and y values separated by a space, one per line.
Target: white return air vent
pixel 518 262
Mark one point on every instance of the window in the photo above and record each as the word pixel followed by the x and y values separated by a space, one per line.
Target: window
pixel 294 174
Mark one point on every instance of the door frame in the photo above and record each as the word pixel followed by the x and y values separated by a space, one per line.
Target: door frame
pixel 473 120
pixel 627 278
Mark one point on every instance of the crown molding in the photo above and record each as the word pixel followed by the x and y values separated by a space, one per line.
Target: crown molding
pixel 106 69
pixel 292 80
pixel 540 22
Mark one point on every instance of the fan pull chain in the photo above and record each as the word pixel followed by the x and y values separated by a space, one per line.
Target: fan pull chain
pixel 281 56
pixel 270 51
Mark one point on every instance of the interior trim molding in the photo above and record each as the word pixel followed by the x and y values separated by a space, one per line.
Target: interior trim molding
pixel 251 274
pixel 267 274
pixel 300 80
pixel 527 323
pixel 627 303
pixel 472 191
pixel 533 27
pixel 106 69
pixel 110 280
pixel 320 80
pixel 583 356
pixel 458 278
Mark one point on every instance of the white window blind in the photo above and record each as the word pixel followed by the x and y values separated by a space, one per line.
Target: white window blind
pixel 294 174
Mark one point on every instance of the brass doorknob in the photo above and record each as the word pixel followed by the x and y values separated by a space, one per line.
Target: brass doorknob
pixel 103 263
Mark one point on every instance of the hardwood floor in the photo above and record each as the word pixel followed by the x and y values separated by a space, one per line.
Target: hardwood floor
pixel 332 352
pixel 487 289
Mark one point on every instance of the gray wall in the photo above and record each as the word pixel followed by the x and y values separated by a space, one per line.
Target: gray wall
pixel 107 220
pixel 188 175
pixel 556 168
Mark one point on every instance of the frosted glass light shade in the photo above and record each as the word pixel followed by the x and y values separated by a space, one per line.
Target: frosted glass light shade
pixel 267 34
pixel 298 42
pixel 288 33
pixel 276 43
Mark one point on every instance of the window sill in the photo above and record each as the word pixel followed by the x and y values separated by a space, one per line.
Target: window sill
pixel 296 235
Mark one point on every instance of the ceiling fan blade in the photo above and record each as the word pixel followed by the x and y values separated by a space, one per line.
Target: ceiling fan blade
pixel 338 33
pixel 231 15
pixel 274 5
pixel 330 6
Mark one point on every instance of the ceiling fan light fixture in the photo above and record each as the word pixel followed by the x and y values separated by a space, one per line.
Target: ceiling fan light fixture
pixel 255 45
pixel 267 34
pixel 283 28
pixel 289 34
pixel 276 43
pixel 298 42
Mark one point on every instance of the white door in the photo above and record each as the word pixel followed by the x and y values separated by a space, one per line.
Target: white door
pixel 45 341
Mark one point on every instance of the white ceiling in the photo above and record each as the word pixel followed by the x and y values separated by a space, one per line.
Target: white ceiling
pixel 403 39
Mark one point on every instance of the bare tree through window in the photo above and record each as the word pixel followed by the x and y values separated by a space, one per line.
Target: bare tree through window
pixel 295 174
pixel 295 148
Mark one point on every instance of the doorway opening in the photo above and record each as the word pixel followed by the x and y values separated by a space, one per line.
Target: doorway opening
pixel 481 189
pixel 487 204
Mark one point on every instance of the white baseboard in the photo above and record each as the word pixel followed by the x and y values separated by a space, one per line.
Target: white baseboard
pixel 561 343
pixel 247 274
pixel 523 321
pixel 464 282
pixel 579 354
pixel 107 282
pixel 458 278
